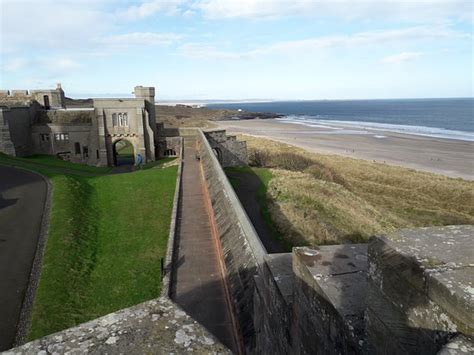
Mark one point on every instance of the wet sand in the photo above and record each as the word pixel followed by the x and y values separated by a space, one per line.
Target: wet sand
pixel 454 158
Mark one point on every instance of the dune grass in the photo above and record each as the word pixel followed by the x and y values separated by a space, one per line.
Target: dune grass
pixel 106 237
pixel 323 199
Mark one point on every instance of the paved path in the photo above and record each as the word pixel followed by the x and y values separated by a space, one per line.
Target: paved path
pixel 197 283
pixel 22 198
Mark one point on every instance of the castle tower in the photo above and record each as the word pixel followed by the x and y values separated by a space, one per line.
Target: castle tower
pixel 148 94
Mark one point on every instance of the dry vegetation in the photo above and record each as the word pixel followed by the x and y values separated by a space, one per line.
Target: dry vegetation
pixel 320 199
pixel 187 116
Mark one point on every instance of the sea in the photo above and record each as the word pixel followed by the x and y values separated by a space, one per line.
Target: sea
pixel 451 118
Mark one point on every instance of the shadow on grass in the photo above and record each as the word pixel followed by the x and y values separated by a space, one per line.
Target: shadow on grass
pixel 251 187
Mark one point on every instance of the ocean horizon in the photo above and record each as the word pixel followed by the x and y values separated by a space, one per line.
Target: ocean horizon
pixel 449 118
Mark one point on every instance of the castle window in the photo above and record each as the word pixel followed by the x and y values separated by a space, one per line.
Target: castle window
pixel 44 137
pixel 77 148
pixel 85 152
pixel 169 153
pixel 46 102
pixel 61 137
pixel 120 119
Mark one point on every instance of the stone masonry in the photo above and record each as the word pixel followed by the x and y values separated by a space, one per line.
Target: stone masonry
pixel 39 122
pixel 154 327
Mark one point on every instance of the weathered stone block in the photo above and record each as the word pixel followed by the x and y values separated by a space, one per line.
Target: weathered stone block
pixel 420 288
pixel 329 299
pixel 153 327
pixel 273 305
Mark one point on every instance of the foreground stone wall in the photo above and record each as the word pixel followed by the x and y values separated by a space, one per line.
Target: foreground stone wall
pixel 329 299
pixel 243 251
pixel 273 299
pixel 154 327
pixel 410 292
pixel 420 289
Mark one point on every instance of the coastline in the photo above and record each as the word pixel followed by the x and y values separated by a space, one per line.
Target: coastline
pixel 453 158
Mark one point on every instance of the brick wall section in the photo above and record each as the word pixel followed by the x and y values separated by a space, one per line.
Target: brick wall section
pixel 243 252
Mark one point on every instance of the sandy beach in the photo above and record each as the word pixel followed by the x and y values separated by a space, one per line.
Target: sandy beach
pixel 454 158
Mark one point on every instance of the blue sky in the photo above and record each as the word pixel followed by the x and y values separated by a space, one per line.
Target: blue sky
pixel 247 49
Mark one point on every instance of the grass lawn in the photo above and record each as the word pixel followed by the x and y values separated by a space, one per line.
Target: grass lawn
pixel 106 237
pixel 48 161
pixel 158 163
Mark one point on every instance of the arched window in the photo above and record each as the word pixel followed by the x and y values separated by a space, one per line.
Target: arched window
pixel 114 119
pixel 120 119
pixel 125 119
pixel 169 153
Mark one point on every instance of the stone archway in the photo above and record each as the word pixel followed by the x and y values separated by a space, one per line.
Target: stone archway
pixel 124 152
pixel 217 152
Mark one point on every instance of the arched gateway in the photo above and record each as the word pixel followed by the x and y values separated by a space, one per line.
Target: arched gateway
pixel 124 153
pixel 125 120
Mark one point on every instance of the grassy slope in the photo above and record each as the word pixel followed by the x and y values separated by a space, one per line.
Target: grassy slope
pixel 321 199
pixel 48 161
pixel 265 176
pixel 107 234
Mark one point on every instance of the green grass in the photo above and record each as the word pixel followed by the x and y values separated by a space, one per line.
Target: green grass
pixel 125 152
pixel 157 163
pixel 48 161
pixel 106 237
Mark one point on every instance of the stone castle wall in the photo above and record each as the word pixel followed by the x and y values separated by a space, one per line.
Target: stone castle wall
pixel 410 292
pixel 243 251
pixel 228 150
pixel 18 121
pixel 6 144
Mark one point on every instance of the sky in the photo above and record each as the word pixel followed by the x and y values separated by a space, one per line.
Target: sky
pixel 246 49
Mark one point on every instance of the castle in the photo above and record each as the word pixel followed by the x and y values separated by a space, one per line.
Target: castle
pixel 39 122
pixel 409 292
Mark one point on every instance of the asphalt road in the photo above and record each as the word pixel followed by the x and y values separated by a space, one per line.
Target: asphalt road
pixel 22 199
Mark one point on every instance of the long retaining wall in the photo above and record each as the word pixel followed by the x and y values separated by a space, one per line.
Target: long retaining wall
pixel 243 252
pixel 168 262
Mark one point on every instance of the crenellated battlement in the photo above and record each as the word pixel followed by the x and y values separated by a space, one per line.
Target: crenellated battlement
pixel 48 98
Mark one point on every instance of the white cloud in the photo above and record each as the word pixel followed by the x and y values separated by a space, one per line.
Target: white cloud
pixel 15 64
pixel 141 39
pixel 367 9
pixel 402 57
pixel 202 51
pixel 329 42
pixel 61 64
pixel 149 8
pixel 66 64
pixel 51 24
